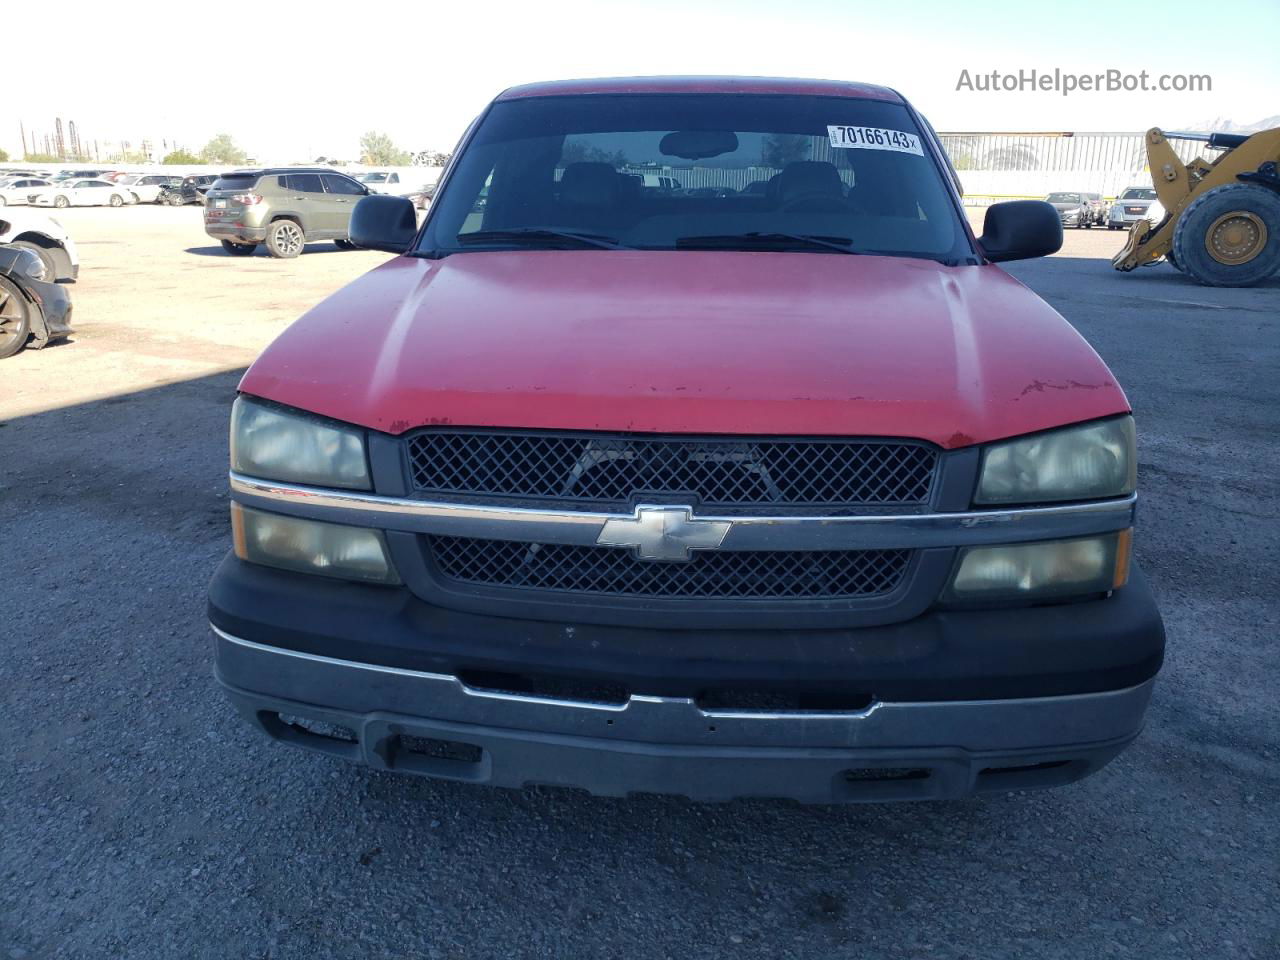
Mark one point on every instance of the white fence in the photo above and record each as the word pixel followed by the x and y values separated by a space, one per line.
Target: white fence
pixel 993 165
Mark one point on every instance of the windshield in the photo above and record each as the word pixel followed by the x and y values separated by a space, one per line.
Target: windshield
pixel 1064 198
pixel 372 178
pixel 1139 193
pixel 698 171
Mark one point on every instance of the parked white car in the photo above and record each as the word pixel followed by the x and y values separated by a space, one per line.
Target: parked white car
pixel 401 182
pixel 17 189
pixel 45 237
pixel 82 193
pixel 145 187
pixel 381 181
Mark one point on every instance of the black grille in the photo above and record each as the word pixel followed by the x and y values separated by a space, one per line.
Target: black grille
pixel 719 471
pixel 754 575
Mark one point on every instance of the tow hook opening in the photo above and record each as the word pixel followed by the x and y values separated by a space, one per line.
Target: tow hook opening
pixel 450 759
pixel 312 733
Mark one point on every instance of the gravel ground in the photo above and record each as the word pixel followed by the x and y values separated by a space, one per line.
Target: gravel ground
pixel 141 818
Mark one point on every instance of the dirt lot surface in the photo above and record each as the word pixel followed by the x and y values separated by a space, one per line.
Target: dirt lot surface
pixel 158 302
pixel 141 818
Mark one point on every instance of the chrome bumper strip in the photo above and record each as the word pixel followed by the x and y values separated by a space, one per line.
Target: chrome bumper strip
pixel 868 532
pixel 362 688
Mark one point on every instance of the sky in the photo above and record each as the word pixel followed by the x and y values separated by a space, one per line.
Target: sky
pixel 295 81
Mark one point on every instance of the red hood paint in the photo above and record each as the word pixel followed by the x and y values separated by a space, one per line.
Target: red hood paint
pixel 690 342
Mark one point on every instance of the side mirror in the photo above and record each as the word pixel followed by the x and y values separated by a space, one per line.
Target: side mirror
pixel 1020 230
pixel 380 222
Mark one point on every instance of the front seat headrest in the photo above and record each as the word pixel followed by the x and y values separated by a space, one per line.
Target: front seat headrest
pixel 809 178
pixel 589 184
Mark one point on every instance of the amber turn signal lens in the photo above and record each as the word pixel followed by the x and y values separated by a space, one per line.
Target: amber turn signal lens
pixel 1124 549
pixel 311 546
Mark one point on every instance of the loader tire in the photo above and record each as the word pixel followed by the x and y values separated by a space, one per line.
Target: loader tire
pixel 1230 236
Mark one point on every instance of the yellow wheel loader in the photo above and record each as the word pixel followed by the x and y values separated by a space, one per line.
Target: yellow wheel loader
pixel 1221 220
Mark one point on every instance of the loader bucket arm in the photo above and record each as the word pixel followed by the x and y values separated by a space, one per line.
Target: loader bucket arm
pixel 1178 184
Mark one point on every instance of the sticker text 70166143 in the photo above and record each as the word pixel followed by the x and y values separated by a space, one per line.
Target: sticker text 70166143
pixel 874 138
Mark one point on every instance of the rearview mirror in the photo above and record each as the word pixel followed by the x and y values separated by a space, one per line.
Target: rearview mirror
pixel 1020 230
pixel 383 223
pixel 698 144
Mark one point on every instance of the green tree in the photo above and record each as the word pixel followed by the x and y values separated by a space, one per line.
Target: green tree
pixel 180 157
pixel 4 156
pixel 377 150
pixel 222 149
pixel 39 158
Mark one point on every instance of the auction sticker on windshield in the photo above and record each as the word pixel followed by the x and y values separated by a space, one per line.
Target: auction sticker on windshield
pixel 874 138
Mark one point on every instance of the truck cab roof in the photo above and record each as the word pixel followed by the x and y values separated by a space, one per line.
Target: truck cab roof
pixel 701 84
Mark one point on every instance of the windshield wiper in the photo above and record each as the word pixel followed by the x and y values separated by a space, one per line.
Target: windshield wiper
pixel 717 241
pixel 539 235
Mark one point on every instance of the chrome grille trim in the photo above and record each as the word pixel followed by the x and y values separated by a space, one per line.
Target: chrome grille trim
pixel 574 527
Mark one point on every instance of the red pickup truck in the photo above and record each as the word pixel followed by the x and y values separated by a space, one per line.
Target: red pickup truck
pixel 774 484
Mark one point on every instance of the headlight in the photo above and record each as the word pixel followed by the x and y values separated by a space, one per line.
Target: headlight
pixel 309 546
pixel 1042 571
pixel 278 445
pixel 35 268
pixel 1075 463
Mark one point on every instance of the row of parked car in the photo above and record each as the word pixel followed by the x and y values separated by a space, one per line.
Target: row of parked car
pixel 1085 210
pixel 117 188
pixel 89 188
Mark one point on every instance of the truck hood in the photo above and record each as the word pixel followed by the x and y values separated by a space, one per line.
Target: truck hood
pixel 689 342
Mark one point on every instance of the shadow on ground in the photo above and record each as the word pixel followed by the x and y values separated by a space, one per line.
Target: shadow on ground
pixel 319 246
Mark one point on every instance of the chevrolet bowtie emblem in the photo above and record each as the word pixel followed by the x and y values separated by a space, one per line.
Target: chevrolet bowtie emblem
pixel 663 533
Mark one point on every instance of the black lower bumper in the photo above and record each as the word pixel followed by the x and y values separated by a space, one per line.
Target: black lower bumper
pixel 948 704
pixel 1047 651
pixel 668 745
pixel 237 234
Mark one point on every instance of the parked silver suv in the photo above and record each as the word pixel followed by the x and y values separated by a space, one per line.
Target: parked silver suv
pixel 1130 207
pixel 285 208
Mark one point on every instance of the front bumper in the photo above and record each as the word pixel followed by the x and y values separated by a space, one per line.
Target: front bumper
pixel 54 321
pixel 956 702
pixel 435 725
